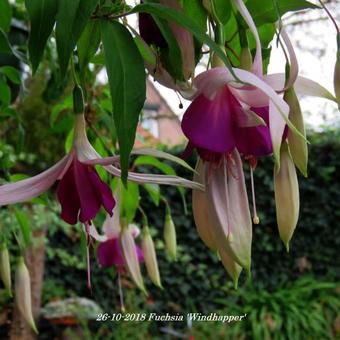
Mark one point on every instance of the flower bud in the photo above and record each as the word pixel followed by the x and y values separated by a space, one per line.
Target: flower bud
pixel 150 257
pixel 286 196
pixel 23 293
pixel 246 59
pixel 131 257
pixel 5 268
pixel 170 236
pixel 297 145
pixel 337 71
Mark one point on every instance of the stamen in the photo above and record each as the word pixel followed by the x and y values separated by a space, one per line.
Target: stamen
pixel 88 263
pixel 121 296
pixel 180 105
pixel 256 219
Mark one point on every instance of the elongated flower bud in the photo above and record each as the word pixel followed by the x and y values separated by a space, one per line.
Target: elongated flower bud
pixel 337 71
pixel 200 209
pixel 286 196
pixel 150 257
pixel 5 268
pixel 131 258
pixel 170 236
pixel 246 59
pixel 297 145
pixel 23 293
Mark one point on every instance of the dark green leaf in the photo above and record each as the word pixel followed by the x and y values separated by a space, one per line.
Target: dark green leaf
pixel 42 15
pixel 125 69
pixel 223 10
pixel 5 47
pixel 11 73
pixel 5 15
pixel 88 43
pixel 185 21
pixel 264 11
pixel 72 18
pixel 24 224
pixel 5 92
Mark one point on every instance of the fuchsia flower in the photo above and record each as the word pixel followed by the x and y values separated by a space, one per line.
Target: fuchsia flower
pixel 80 191
pixel 217 121
pixel 109 251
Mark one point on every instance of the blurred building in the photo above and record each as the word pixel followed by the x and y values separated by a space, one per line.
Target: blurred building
pixel 159 124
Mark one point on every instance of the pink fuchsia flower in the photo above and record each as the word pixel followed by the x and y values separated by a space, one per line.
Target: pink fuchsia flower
pixel 216 118
pixel 109 251
pixel 80 190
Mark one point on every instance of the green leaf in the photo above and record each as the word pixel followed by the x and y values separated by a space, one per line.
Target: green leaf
pixel 145 50
pixel 5 15
pixel 223 10
pixel 150 160
pixel 42 15
pixel 72 18
pixel 154 192
pixel 126 74
pixel 88 43
pixel 5 47
pixel 264 11
pixel 5 92
pixel 195 10
pixel 11 73
pixel 172 53
pixel 24 224
pixel 185 21
pixel 129 200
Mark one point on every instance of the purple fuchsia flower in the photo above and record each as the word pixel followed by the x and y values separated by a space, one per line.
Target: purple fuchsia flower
pixel 80 191
pixel 109 251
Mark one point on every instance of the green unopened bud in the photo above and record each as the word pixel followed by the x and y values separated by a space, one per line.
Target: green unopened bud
pixel 286 196
pixel 233 268
pixel 130 257
pixel 297 145
pixel 246 59
pixel 170 236
pixel 150 257
pixel 337 71
pixel 23 293
pixel 5 268
pixel 78 100
pixel 216 60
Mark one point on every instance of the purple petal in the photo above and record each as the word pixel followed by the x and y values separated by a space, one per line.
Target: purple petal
pixel 208 123
pixel 255 141
pixel 109 253
pixel 68 197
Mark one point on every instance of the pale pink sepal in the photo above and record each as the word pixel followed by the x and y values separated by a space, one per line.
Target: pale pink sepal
pixel 294 66
pixel 303 86
pixel 257 67
pixel 32 187
pixel 240 236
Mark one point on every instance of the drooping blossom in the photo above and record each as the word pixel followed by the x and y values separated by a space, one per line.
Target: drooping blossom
pixel 80 191
pixel 109 251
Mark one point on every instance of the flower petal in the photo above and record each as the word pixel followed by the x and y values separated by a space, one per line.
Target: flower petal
pixel 68 196
pixel 110 253
pixel 303 86
pixel 208 124
pixel 257 65
pixel 31 187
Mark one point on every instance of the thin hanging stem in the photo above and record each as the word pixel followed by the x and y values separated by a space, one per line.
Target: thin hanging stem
pixel 330 16
pixel 120 290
